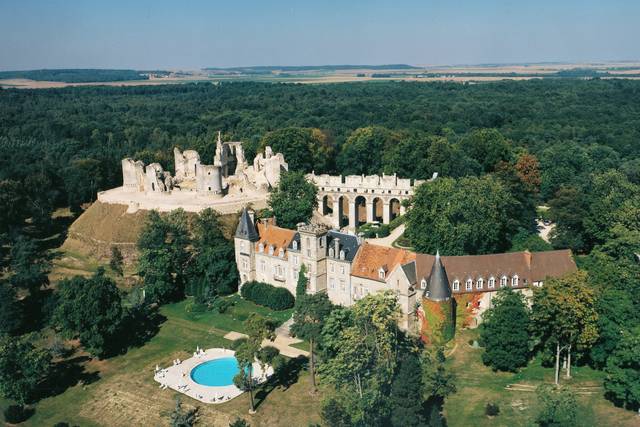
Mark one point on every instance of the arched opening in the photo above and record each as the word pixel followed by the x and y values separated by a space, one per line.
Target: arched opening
pixel 361 211
pixel 394 209
pixel 327 205
pixel 343 211
pixel 153 186
pixel 378 207
pixel 232 160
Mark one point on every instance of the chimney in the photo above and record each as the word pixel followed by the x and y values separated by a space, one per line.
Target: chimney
pixel 336 242
pixel 528 258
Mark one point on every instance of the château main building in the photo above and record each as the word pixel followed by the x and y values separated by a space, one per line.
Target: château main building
pixel 348 269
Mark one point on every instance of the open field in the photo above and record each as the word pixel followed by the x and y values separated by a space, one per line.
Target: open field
pixel 325 74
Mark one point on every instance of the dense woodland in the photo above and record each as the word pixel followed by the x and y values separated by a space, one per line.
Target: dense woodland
pixel 500 149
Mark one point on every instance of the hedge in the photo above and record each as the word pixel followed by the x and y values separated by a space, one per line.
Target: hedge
pixel 269 296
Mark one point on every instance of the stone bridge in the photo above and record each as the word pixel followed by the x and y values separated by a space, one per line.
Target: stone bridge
pixel 355 199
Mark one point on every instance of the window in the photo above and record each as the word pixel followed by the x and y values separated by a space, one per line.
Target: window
pixel 245 264
pixel 381 274
pixel 332 253
pixel 281 254
pixel 332 267
pixel 342 255
pixel 456 285
pixel 308 253
pixel 271 249
pixel 423 284
pixel 332 284
pixel 295 245
pixel 295 260
pixel 342 287
pixel 479 283
pixel 503 281
pixel 342 269
pixel 514 280
pixel 261 248
pixel 243 246
pixel 263 266
pixel 469 284
pixel 492 282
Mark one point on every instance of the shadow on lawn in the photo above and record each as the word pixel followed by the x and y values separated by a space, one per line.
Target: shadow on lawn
pixel 286 373
pixel 65 374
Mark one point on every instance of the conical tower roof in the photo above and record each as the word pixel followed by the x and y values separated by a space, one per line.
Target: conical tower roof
pixel 246 229
pixel 438 286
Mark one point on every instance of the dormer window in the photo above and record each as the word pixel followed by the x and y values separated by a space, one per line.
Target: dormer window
pixel 381 274
pixel 469 284
pixel 503 281
pixel 456 285
pixel 271 249
pixel 261 248
pixel 492 282
pixel 342 255
pixel 332 253
pixel 514 280
pixel 479 283
pixel 295 245
pixel 423 284
pixel 281 254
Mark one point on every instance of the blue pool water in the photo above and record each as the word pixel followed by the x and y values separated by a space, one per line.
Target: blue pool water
pixel 216 373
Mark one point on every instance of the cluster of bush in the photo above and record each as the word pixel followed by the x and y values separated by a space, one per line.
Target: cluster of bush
pixel 269 296
pixel 370 231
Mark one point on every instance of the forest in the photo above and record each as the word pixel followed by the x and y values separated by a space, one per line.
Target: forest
pixel 500 149
pixel 75 75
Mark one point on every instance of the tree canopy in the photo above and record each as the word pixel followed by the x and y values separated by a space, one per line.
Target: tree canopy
pixel 294 200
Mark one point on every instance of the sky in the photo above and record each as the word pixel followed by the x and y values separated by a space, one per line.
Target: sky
pixel 192 34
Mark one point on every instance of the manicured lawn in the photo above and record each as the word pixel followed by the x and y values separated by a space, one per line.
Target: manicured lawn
pixel 123 392
pixel 478 385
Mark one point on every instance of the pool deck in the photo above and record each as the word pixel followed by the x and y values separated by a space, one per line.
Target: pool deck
pixel 178 378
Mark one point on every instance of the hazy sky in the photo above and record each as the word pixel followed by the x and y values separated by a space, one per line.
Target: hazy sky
pixel 192 33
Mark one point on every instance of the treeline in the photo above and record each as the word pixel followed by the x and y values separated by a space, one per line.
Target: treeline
pixel 75 75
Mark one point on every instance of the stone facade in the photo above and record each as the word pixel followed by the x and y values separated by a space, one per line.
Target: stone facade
pixel 354 199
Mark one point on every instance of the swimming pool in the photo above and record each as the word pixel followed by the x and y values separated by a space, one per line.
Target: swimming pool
pixel 216 373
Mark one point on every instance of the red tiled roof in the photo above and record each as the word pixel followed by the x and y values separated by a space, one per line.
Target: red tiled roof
pixel 370 258
pixel 276 236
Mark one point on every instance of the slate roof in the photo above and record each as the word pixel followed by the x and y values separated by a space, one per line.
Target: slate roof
pixel 438 286
pixel 348 243
pixel 246 229
pixel 529 266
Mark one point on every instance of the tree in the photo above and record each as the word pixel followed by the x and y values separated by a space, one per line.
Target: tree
pixel 564 316
pixel 559 407
pixel 449 160
pixel 525 240
pixel 406 406
pixel 486 146
pixel 90 309
pixel 303 281
pixel 567 210
pixel 458 217
pixel 183 418
pixel 438 381
pixel 294 200
pixel 23 368
pixel 363 151
pixel 622 383
pixel 365 358
pixel 14 205
pixel 163 255
pixel 616 314
pixel 212 268
pixel 304 149
pixel 308 319
pixel 82 179
pixel 258 329
pixel 504 332
pixel 10 311
pixel 334 414
pixel 29 265
pixel 116 261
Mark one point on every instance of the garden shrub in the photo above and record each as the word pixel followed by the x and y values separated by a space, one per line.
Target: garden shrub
pixel 491 410
pixel 15 414
pixel 269 296
pixel 383 231
pixel 221 305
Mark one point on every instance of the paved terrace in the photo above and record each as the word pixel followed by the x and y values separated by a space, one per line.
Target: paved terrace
pixel 178 378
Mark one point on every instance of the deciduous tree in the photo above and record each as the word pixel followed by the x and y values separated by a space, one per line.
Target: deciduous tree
pixel 23 367
pixel 294 200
